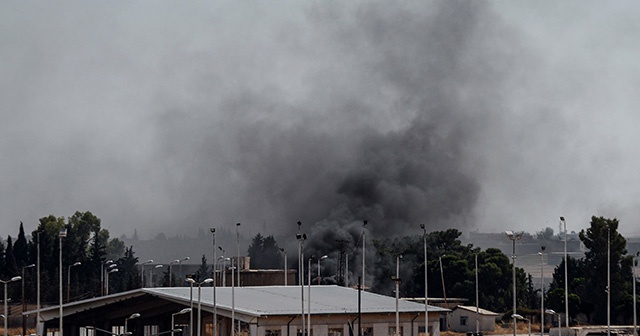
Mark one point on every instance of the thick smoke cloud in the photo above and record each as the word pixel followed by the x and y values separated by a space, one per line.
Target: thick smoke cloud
pixel 171 118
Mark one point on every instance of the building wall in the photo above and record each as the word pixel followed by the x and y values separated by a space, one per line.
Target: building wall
pixel 486 322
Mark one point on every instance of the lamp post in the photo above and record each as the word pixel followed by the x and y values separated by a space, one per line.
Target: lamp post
pixel 113 270
pixel 608 281
pixel 6 313
pixel 566 274
pixel 477 298
pixel 131 317
pixel 633 269
pixel 520 317
pixel 150 261
pixel 215 280
pixel 24 303
pixel 77 263
pixel 313 257
pixel 152 283
pixel 199 284
pixel 301 237
pixel 238 268
pixel 444 290
pixel 553 312
pixel 397 281
pixel 426 295
pixel 364 254
pixel 541 253
pixel 171 271
pixel 285 265
pixel 108 263
pixel 38 276
pixel 180 268
pixel 173 317
pixel 61 234
pixel 321 258
pixel 513 236
pixel 191 282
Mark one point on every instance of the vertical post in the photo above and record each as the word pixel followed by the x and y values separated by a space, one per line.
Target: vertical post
pixel 38 276
pixel 215 280
pixel 397 280
pixel 477 299
pixel 359 306
pixel 608 281
pixel 309 296
pixel 633 268
pixel 426 285
pixel 238 261
pixel 566 275
pixel 513 259
pixel 364 253
pixel 542 291
pixel 62 234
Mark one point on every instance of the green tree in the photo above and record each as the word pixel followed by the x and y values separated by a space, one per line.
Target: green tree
pixel 20 249
pixel 602 240
pixel 264 252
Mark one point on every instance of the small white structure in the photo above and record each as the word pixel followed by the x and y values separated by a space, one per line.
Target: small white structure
pixel 463 319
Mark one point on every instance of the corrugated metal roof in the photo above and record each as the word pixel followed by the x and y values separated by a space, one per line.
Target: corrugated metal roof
pixel 285 300
pixel 480 310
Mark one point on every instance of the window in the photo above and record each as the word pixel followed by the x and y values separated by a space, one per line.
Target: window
pixel 463 320
pixel 335 332
pixel 272 332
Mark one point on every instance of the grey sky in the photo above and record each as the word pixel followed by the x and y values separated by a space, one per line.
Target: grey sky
pixel 159 116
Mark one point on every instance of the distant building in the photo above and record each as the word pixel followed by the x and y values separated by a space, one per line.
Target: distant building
pixel 260 311
pixel 463 319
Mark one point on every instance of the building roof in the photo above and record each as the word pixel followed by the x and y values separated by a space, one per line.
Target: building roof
pixel 258 301
pixel 481 311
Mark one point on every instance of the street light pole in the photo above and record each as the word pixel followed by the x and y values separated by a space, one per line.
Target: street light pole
pixel 199 284
pixel 309 295
pixel 285 265
pixel 513 236
pixel 77 263
pixel 541 290
pixel 397 281
pixel 180 268
pixel 6 312
pixel 566 275
pixel 62 234
pixel 321 258
pixel 24 303
pixel 238 262
pixel 301 237
pixel 633 268
pixel 173 318
pixel 426 286
pixel 364 254
pixel 132 316
pixel 215 280
pixel 38 276
pixel 113 270
pixel 608 281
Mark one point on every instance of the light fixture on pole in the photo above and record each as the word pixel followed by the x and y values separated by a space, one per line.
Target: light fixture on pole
pixel 150 261
pixel 223 271
pixel 62 234
pixel 171 271
pixel 553 312
pixel 541 253
pixel 520 317
pixel 173 317
pixel 513 236
pixel 6 313
pixel 285 265
pixel 397 280
pixel 215 280
pixel 199 284
pixel 321 258
pixel 131 317
pixel 608 281
pixel 301 237
pixel 102 274
pixel 180 269
pixel 313 257
pixel 24 303
pixel 112 270
pixel 566 274
pixel 238 268
pixel 77 263
pixel 151 280
pixel 635 281
pixel 426 286
pixel 364 253
pixel 477 298
pixel 191 282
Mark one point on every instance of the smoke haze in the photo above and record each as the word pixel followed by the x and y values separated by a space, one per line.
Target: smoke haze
pixel 165 118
